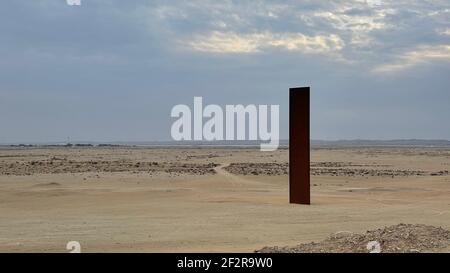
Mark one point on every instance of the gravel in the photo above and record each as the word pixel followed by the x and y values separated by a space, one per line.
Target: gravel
pixel 401 238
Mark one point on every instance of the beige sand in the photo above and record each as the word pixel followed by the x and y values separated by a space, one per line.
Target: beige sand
pixel 170 200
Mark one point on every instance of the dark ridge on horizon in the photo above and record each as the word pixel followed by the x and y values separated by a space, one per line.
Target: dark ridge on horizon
pixel 283 143
pixel 391 142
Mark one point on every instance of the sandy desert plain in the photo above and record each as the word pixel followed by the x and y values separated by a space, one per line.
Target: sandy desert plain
pixel 141 199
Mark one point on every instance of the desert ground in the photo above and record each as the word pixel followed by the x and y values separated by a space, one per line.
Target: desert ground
pixel 141 199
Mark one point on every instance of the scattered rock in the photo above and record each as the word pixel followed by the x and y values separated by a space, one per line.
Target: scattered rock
pixel 401 238
pixel 55 166
pixel 327 169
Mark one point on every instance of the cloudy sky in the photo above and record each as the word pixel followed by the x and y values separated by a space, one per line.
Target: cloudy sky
pixel 111 70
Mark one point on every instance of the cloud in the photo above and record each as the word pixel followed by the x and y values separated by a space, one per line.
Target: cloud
pixel 232 43
pixel 444 32
pixel 347 20
pixel 365 34
pixel 421 55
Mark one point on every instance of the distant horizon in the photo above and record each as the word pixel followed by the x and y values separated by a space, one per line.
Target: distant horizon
pixel 218 142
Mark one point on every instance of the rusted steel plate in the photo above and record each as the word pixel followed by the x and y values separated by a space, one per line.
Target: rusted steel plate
pixel 299 145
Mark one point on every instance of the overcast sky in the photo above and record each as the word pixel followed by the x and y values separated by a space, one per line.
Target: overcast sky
pixel 111 70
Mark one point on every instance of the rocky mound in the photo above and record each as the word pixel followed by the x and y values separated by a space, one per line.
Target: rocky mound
pixel 402 238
